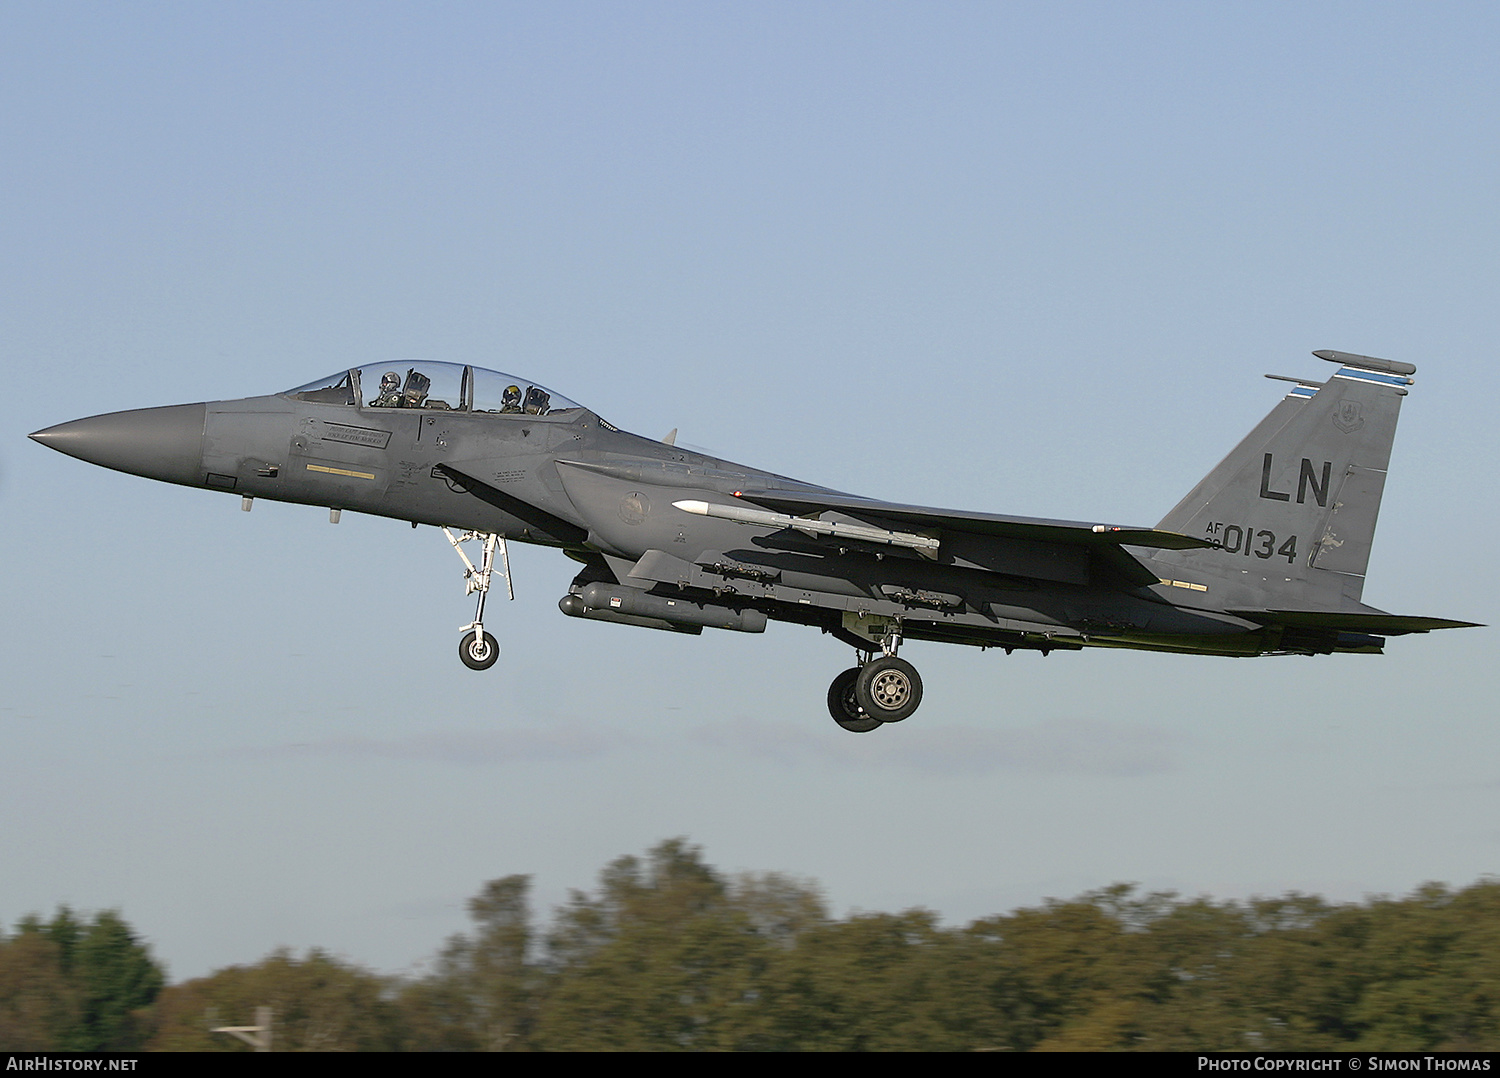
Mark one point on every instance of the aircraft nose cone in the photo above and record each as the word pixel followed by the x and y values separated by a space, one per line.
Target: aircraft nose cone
pixel 158 443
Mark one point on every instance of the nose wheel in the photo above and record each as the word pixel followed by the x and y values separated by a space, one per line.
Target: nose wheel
pixel 479 652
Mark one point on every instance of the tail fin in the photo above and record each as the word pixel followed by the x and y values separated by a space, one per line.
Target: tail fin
pixel 1292 509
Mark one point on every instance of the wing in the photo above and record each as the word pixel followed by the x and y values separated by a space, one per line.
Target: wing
pixel 1060 550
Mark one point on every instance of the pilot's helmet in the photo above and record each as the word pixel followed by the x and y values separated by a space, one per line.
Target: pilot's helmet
pixel 511 396
pixel 390 381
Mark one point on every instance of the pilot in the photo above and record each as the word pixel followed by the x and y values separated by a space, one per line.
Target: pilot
pixel 538 401
pixel 390 391
pixel 510 401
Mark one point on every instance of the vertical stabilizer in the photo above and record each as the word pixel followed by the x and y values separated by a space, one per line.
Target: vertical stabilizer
pixel 1292 509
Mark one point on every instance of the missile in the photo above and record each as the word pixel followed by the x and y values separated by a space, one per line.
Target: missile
pixel 743 514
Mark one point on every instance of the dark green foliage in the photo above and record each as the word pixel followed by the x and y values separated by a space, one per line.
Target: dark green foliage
pixel 668 954
pixel 76 986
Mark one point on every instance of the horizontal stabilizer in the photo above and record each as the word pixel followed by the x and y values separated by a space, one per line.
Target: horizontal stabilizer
pixel 1037 529
pixel 1368 363
pixel 1352 621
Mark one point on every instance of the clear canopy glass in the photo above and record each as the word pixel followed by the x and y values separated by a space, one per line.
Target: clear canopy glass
pixel 435 387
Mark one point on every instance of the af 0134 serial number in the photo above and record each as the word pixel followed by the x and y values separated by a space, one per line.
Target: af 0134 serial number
pixel 1245 539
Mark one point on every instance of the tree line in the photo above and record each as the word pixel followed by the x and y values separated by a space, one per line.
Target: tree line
pixel 667 953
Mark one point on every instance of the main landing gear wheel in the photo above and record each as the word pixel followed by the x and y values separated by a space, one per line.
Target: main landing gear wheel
pixel 478 652
pixel 888 689
pixel 844 708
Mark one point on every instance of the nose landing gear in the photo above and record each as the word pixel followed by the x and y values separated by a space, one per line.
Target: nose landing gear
pixel 478 649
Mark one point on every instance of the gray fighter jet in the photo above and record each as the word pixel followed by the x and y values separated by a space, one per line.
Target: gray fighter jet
pixel 1266 555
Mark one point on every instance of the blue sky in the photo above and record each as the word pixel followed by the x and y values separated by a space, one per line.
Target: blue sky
pixel 1026 258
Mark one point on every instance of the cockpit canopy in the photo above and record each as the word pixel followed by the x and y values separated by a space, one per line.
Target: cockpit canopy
pixel 435 387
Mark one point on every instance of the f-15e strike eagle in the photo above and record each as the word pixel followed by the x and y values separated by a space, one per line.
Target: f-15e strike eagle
pixel 1266 555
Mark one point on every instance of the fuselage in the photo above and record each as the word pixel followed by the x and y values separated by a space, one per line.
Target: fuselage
pixel 570 479
pixel 1266 554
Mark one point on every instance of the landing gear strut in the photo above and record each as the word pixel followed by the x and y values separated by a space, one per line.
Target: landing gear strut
pixel 478 649
pixel 877 691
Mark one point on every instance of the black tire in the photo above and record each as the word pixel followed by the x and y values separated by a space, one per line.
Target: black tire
pixel 478 654
pixel 845 709
pixel 888 689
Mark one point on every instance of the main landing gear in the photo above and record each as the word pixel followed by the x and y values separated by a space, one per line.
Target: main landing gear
pixel 478 649
pixel 877 691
